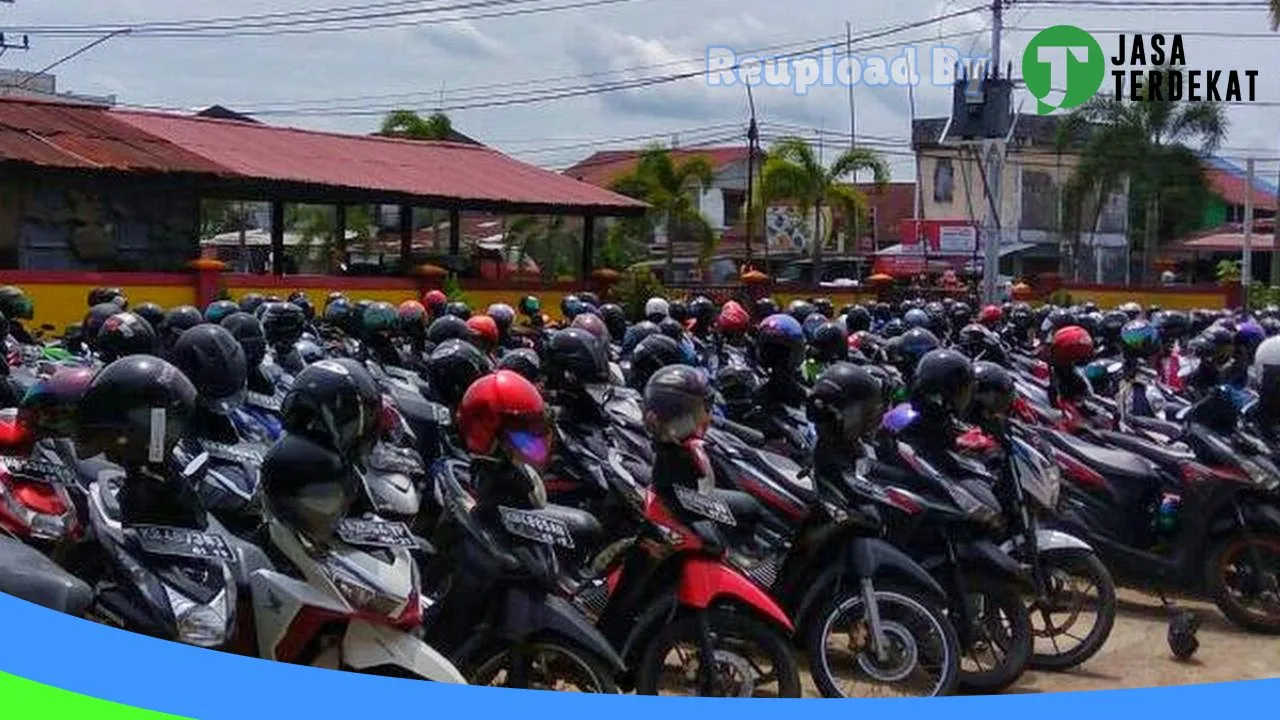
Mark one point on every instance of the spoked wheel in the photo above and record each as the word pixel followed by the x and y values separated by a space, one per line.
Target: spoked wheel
pixel 920 657
pixel 552 665
pixel 997 637
pixel 1244 579
pixel 751 659
pixel 1074 620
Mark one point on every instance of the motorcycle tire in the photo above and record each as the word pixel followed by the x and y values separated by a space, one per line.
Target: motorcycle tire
pixel 1225 551
pixel 594 670
pixel 725 625
pixel 1001 596
pixel 1087 565
pixel 908 613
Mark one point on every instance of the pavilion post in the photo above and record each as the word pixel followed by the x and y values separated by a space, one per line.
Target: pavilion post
pixel 339 236
pixel 406 236
pixel 455 234
pixel 588 245
pixel 277 237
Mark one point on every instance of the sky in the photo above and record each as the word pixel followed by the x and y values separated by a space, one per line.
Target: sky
pixel 453 59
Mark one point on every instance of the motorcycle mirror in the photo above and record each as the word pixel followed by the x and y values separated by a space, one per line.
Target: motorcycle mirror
pixel 196 465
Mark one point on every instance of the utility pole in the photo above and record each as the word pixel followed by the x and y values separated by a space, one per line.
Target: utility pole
pixel 1275 247
pixel 994 147
pixel 753 136
pixel 852 229
pixel 1246 262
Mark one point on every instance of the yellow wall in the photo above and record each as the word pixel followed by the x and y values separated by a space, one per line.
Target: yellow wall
pixel 1059 167
pixel 1190 300
pixel 61 305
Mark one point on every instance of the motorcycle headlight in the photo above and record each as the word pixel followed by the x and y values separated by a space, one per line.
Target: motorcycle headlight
pixel 361 595
pixel 200 625
pixel 977 510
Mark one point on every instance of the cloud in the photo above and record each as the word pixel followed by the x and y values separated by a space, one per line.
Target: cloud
pixel 465 39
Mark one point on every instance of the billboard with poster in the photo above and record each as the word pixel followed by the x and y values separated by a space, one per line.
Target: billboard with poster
pixel 942 237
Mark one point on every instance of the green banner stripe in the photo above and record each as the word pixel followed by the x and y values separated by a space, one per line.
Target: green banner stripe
pixel 23 699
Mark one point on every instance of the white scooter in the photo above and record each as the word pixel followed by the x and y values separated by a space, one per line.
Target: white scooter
pixel 357 607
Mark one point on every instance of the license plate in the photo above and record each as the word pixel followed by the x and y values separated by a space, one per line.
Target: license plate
pixel 248 453
pixel 536 527
pixel 39 468
pixel 266 402
pixel 376 533
pixel 183 542
pixel 705 505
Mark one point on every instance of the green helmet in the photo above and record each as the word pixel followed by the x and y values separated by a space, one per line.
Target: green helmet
pixel 15 304
pixel 380 317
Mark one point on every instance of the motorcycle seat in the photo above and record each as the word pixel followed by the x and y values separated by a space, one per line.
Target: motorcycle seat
pixel 583 526
pixel 1112 464
pixel 1156 425
pixel 1160 454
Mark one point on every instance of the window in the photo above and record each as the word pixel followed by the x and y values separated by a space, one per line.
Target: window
pixel 943 181
pixel 733 202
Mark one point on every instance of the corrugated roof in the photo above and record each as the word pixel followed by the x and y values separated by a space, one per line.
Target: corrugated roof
pixel 87 137
pixel 95 138
pixel 1229 181
pixel 603 167
pixel 413 167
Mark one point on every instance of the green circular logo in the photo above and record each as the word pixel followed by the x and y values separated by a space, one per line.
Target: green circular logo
pixel 1063 67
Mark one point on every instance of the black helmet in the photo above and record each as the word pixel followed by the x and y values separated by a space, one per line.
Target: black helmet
pixel 677 403
pixel 738 386
pixel 219 309
pixel 981 343
pixel 247 331
pixel 524 361
pixel 907 349
pixel 824 306
pixel 93 321
pixel 452 367
pixel 1112 323
pixel 764 307
pixel 830 342
pixel 250 302
pixel 892 329
pixel 943 381
pixel 614 319
pixel 152 313
pixel 800 309
pixel 672 328
pixel 993 393
pixel 1173 325
pixel 125 333
pixel 282 323
pixel 703 311
pixel 303 303
pixel 573 357
pixel 780 343
pixel 214 362
pixel 651 355
pixel 857 319
pixel 458 310
pixel 636 334
pixel 98 296
pixel 337 311
pixel 177 321
pixel 678 311
pixel 336 404
pixel 305 486
pixel 134 411
pixel 448 327
pixel 15 304
pixel 590 298
pixel 846 401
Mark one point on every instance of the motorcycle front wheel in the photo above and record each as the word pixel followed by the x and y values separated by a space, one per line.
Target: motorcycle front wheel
pixel 922 657
pixel 998 643
pixel 751 659
pixel 552 665
pixel 1243 578
pixel 1063 637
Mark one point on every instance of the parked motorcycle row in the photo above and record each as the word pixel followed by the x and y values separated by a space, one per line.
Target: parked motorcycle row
pixel 913 500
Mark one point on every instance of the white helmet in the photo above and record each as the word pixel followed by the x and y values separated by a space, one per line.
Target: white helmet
pixel 1266 357
pixel 657 307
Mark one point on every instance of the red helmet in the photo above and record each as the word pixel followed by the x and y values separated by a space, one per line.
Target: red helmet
pixel 1070 345
pixel 734 319
pixel 435 301
pixel 990 315
pixel 486 329
pixel 505 412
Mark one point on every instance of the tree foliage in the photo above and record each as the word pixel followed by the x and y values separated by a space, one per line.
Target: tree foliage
pixel 410 125
pixel 668 185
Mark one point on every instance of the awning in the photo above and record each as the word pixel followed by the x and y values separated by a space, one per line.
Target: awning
pixel 1227 243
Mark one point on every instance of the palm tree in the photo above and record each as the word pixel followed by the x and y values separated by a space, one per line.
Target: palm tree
pixel 665 184
pixel 410 125
pixel 549 241
pixel 1159 146
pixel 1275 15
pixel 792 171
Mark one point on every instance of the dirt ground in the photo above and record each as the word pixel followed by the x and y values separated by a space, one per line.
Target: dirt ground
pixel 1137 654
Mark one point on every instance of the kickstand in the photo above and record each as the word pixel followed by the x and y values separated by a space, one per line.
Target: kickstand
pixel 1183 625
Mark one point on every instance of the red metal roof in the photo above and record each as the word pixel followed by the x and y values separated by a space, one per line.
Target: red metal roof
pixel 87 137
pixel 92 137
pixel 603 167
pixel 1232 189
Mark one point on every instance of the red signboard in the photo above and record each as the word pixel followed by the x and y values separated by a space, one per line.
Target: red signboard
pixel 943 237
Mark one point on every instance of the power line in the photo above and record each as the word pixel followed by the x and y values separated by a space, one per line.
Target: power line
pixel 1188 33
pixel 70 56
pixel 1146 5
